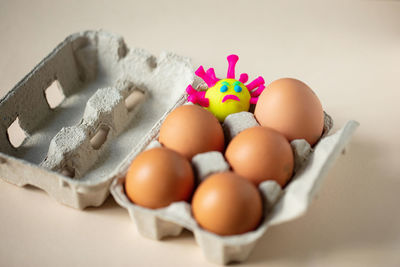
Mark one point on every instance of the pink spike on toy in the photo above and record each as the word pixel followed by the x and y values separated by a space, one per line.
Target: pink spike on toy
pixel 243 78
pixel 190 90
pixel 204 102
pixel 232 59
pixel 206 78
pixel 253 100
pixel 197 97
pixel 211 73
pixel 255 83
pixel 258 91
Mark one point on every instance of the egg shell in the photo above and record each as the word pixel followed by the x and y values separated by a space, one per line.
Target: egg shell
pixel 292 108
pixel 157 177
pixel 190 130
pixel 227 204
pixel 260 154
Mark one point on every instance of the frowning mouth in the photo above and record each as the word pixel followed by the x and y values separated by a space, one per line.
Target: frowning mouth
pixel 233 97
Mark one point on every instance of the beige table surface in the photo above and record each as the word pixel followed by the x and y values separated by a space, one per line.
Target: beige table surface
pixel 349 53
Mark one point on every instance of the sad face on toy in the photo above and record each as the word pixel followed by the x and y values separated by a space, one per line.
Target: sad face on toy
pixel 226 96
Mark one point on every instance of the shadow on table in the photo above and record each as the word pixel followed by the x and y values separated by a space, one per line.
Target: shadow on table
pixel 356 207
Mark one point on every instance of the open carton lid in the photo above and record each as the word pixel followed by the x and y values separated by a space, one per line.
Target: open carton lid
pixel 113 101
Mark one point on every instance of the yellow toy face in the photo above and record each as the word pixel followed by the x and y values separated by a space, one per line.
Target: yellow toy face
pixel 227 96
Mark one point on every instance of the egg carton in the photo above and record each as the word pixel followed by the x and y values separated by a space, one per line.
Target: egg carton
pixel 113 98
pixel 311 164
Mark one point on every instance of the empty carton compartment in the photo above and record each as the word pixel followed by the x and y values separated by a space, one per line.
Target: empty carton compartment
pixel 69 124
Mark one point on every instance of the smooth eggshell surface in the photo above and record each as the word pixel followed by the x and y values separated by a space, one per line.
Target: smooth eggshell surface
pixel 227 204
pixel 292 108
pixel 260 154
pixel 158 177
pixel 190 129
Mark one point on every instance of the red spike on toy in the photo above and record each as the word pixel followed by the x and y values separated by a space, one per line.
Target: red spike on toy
pixel 255 83
pixel 206 78
pixel 243 78
pixel 232 59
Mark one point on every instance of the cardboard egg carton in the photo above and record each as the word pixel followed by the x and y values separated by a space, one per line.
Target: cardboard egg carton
pixel 279 205
pixel 115 100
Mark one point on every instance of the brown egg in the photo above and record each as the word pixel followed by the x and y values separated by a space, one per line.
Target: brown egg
pixel 158 177
pixel 227 204
pixel 260 154
pixel 190 129
pixel 292 108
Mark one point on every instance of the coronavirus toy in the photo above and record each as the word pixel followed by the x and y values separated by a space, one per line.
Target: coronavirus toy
pixel 226 96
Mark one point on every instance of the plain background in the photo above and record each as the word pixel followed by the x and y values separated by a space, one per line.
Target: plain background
pixel 348 52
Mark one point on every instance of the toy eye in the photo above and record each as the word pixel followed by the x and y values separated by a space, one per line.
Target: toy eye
pixel 223 88
pixel 238 89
